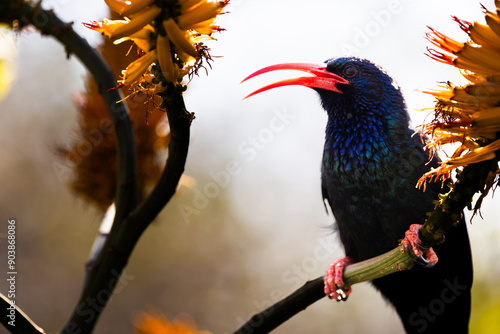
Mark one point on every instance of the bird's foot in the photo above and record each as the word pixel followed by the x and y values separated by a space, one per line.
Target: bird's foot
pixel 334 285
pixel 425 256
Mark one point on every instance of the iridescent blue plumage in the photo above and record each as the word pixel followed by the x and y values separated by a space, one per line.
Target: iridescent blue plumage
pixel 371 164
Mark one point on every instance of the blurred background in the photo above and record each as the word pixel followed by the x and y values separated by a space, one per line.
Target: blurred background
pixel 253 228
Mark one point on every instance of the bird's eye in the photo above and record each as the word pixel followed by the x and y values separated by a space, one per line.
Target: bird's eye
pixel 350 71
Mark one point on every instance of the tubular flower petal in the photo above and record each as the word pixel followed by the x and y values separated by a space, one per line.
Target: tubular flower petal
pixel 187 5
pixel 141 38
pixel 136 69
pixel 203 12
pixel 179 37
pixel 479 154
pixel 482 34
pixel 144 33
pixel 106 27
pixel 165 57
pixel 137 22
pixel 493 22
pixel 128 7
pixel 442 41
pixel 483 56
pixel 143 44
pixel 470 114
pixel 205 27
pixel 116 29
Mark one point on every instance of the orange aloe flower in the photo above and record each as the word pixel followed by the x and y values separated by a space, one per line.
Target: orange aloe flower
pixel 468 115
pixel 158 324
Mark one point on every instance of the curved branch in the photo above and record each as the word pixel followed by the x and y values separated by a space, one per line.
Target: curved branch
pixel 179 120
pixel 122 240
pixel 393 261
pixel 470 180
pixel 49 24
pixel 277 314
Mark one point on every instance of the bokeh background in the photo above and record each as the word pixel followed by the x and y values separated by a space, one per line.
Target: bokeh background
pixel 253 228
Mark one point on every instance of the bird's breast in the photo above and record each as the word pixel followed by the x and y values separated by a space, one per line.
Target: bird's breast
pixel 357 159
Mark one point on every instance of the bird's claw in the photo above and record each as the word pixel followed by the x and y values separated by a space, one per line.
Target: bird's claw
pixel 341 294
pixel 425 256
pixel 334 285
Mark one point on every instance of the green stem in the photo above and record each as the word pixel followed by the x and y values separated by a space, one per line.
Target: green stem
pixel 449 211
pixel 393 261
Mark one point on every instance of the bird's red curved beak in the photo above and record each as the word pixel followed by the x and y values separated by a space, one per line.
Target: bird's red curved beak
pixel 321 78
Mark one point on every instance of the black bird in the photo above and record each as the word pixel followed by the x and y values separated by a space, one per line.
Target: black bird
pixel 371 163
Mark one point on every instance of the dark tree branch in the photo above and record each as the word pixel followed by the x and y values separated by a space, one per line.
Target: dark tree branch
pixel 277 314
pixel 23 324
pixel 179 120
pixel 121 241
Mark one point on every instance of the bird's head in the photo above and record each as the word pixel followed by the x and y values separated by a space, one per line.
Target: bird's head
pixel 349 87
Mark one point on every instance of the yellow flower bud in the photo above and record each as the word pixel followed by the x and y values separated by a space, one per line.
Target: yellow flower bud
pixel 179 37
pixel 128 7
pixel 136 69
pixel 136 22
pixel 165 57
pixel 203 12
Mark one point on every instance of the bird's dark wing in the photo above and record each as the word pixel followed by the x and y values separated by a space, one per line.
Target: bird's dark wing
pixel 345 236
pixel 434 299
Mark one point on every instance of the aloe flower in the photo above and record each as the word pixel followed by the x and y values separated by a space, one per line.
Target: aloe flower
pixel 468 115
pixel 169 34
